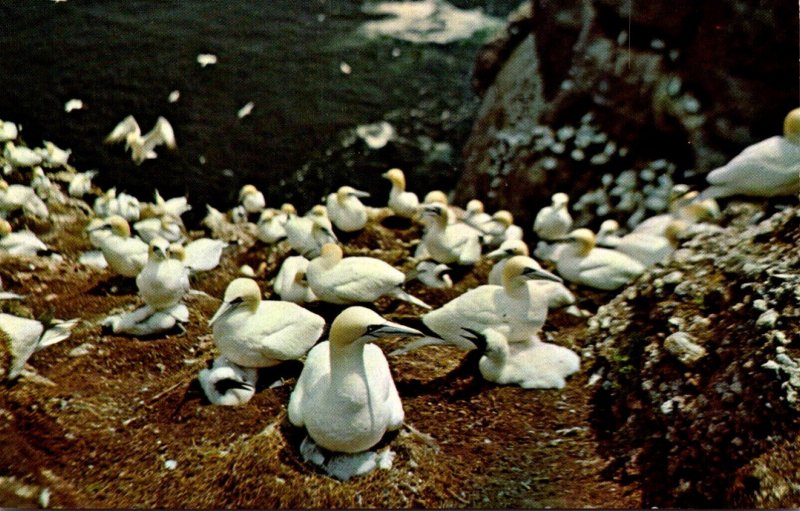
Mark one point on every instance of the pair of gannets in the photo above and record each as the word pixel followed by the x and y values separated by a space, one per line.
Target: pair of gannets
pixel 307 234
pixel 580 261
pixel 168 226
pixel 401 202
pixel 251 199
pixel 447 242
pixel 142 146
pixel 19 243
pixel 15 197
pixel 686 208
pixel 291 284
pixel 125 205
pixel 271 226
pixel 345 209
pixel 348 280
pixel 27 336
pixel 766 169
pixel 554 221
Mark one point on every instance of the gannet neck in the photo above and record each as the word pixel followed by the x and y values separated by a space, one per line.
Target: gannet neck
pixel 3 185
pixel 397 178
pixel 791 126
pixel 560 200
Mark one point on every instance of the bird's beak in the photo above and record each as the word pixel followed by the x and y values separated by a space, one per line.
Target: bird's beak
pixel 360 193
pixel 562 240
pixel 498 254
pixel 447 280
pixel 391 329
pixel 475 337
pixel 536 274
pixel 223 309
pixel 99 228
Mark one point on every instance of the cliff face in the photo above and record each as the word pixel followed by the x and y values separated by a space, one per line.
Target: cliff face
pixel 686 82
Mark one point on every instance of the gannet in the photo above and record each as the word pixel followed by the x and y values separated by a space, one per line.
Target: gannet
pixel 436 196
pixel 206 59
pixel 345 209
pixel 251 199
pixel 27 336
pixel 449 243
pixel 531 364
pixel 348 280
pixel 147 321
pixel 501 228
pixel 20 156
pixel 44 188
pixel 125 255
pixel 475 216
pixel 252 332
pixel 142 147
pixel 74 104
pixel 81 183
pixel 125 205
pixel 607 234
pixel 766 169
pixel 345 396
pixel 167 226
pixel 271 226
pixel 511 309
pixel 431 274
pixel 215 219
pixel 692 213
pixel 583 263
pixel 554 221
pixel 650 249
pixel 245 110
pixel 291 284
pixel 54 156
pixel 228 384
pixel 175 206
pixel 15 197
pixel 8 131
pixel 19 243
pixel 202 254
pixel 307 234
pixel 401 202
pixel 164 280
pixel 174 96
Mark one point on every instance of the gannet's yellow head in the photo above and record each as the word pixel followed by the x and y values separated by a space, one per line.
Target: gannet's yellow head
pixel 319 211
pixel 608 227
pixel 397 177
pixel 168 220
pixel 240 293
pixel 509 248
pixel 674 229
pixel 158 249
pixel 584 239
pixel 504 217
pixel 331 252
pixel 38 171
pixel 791 126
pixel 435 210
pixel 361 325
pixel 560 200
pixel 701 211
pixel 345 192
pixel 288 209
pixel 267 215
pixel 119 226
pixel 177 251
pixel 247 190
pixel 520 269
pixel 5 228
pixel 435 196
pixel 474 207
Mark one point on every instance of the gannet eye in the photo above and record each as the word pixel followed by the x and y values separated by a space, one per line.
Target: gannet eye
pixel 371 329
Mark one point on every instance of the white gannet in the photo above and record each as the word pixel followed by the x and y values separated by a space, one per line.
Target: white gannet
pixel 307 234
pixel 147 321
pixel 21 156
pixel 74 104
pixel 583 263
pixel 164 280
pixel 271 226
pixel 475 216
pixel 345 209
pixel 142 146
pixel 8 131
pixel 206 59
pixel 447 242
pixel 202 254
pixel 766 169
pixel 252 199
pixel 81 183
pixel 607 234
pixel 376 135
pixel 554 221
pixel 167 226
pixel 345 396
pixel 125 255
pixel 246 110
pixel 54 156
pixel 228 384
pixel 27 336
pixel 401 202
pixel 531 364
pixel 215 219
pixel 175 206
pixel 431 274
pixel 15 197
pixel 174 96
pixel 501 228
pixel 42 185
pixel 19 243
pixel 650 249
pixel 252 332
pixel 349 280
pixel 291 284
pixel 692 213
pixel 512 309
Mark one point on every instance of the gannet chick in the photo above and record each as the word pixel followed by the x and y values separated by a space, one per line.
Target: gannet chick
pixel 251 199
pixel 27 336
pixel 581 262
pixel 345 396
pixel 502 254
pixel 228 384
pixel 475 216
pixel 449 243
pixel 125 255
pixel 432 275
pixel 649 249
pixel 142 147
pixel 511 309
pixel 20 156
pixel 291 284
pixel 164 280
pixel 147 321
pixel 345 209
pixel 8 131
pixel 502 228
pixel 306 235
pixel 202 254
pixel 23 243
pixel 271 226
pixel 531 365
pixel 401 202
pixel 252 332
pixel 167 226
pixel 554 221
pixel 766 169
pixel 348 280
pixel 81 184
pixel 15 197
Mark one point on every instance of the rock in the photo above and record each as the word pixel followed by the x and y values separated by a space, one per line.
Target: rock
pixel 682 346
pixel 767 319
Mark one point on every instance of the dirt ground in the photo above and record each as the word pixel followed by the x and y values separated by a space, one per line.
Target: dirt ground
pixel 105 413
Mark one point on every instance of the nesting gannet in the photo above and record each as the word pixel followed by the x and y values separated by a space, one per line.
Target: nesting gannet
pixel 27 336
pixel 271 226
pixel 650 249
pixel 348 280
pixel 345 209
pixel 19 243
pixel 21 156
pixel 142 146
pixel 694 212
pixel 607 234
pixel 401 202
pixel 206 59
pixel 307 234
pixel 583 263
pixel 531 364
pixel 15 197
pixel 44 188
pixel 202 254
pixel 766 169
pixel 81 183
pixel 512 309
pixel 252 332
pixel 147 321
pixel 175 206
pixel 54 156
pixel 228 384
pixel 215 219
pixel 125 205
pixel 164 280
pixel 8 131
pixel 167 226
pixel 252 199
pixel 502 228
pixel 125 255
pixel 291 284
pixel 431 274
pixel 345 396
pixel 554 221
pixel 475 216
pixel 449 243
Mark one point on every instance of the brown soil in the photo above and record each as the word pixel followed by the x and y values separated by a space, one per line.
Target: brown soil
pixel 97 429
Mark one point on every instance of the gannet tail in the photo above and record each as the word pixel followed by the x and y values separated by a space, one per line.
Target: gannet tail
pixel 58 331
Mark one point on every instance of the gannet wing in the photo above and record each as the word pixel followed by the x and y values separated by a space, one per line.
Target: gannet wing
pixel 121 131
pixel 381 384
pixel 317 365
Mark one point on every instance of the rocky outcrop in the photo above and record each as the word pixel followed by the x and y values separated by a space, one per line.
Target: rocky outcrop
pixel 686 82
